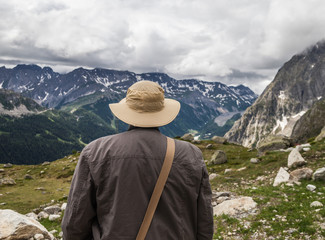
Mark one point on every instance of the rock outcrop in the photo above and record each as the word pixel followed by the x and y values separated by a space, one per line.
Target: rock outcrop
pixel 302 173
pixel 311 123
pixel 295 159
pixel 281 177
pixel 14 226
pixel 319 174
pixel 274 142
pixel 239 207
pixel 188 137
pixel 218 157
pixel 219 140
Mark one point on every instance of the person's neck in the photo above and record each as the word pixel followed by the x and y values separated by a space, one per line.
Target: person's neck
pixel 134 127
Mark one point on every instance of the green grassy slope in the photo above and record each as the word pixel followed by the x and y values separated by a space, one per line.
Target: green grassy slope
pixel 284 212
pixel 36 138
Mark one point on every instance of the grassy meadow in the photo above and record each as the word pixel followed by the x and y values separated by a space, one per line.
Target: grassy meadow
pixel 284 212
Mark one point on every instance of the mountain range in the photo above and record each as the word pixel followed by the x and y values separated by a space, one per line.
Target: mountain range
pixel 81 98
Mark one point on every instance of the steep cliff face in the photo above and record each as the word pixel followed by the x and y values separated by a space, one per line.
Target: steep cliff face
pixel 310 124
pixel 295 88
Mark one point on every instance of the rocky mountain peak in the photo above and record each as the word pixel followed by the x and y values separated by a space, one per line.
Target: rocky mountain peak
pixel 299 83
pixel 14 104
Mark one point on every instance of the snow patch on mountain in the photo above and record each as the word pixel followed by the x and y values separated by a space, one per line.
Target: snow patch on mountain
pixel 285 125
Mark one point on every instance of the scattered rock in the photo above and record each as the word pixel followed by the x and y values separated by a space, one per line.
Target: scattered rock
pixel 209 146
pixel 28 177
pixel 218 157
pixel 216 195
pixel 316 204
pixel 228 170
pixel 306 149
pixel 302 146
pixel 319 174
pixel 222 199
pixel 45 163
pixel 295 159
pixel 188 137
pixel 2 170
pixel 219 140
pixel 64 206
pixel 54 217
pixel 42 215
pixel 239 207
pixel 274 142
pixel 255 160
pixel 32 215
pixel 7 181
pixel 282 177
pixel 196 141
pixel 8 165
pixel 52 209
pixel 302 173
pixel 212 176
pixel 17 226
pixel 54 231
pixel 311 187
pixel 241 169
pixel 40 189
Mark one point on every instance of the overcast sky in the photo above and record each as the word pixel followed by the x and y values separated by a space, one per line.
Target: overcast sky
pixel 232 41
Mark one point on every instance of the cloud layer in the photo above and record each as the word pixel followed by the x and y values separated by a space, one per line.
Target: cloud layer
pixel 207 38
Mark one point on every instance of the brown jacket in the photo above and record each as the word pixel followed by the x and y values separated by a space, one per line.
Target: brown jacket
pixel 113 182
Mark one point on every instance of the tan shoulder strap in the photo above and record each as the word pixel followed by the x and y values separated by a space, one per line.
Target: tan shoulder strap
pixel 170 152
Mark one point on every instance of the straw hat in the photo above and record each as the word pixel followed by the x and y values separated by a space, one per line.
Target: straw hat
pixel 146 106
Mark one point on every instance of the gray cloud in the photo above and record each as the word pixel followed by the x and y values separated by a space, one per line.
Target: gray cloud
pixel 208 39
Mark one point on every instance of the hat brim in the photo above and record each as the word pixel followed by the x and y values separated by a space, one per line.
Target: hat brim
pixel 146 119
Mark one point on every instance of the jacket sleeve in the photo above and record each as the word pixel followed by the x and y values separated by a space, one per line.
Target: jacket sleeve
pixel 81 206
pixel 205 210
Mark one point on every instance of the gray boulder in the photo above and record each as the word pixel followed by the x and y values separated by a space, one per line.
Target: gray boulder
pixel 212 176
pixel 282 177
pixel 274 142
pixel 209 146
pixel 17 226
pixel 300 174
pixel 240 207
pixel 7 165
pixel 218 157
pixel 55 209
pixel 219 140
pixel 188 137
pixel 319 174
pixel 7 181
pixel 295 159
pixel 316 204
pixel 255 160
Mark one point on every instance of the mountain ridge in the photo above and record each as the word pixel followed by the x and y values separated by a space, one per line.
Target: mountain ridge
pixel 298 84
pixel 200 100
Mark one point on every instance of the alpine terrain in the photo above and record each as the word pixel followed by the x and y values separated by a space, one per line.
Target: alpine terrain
pixel 296 87
pixel 94 89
